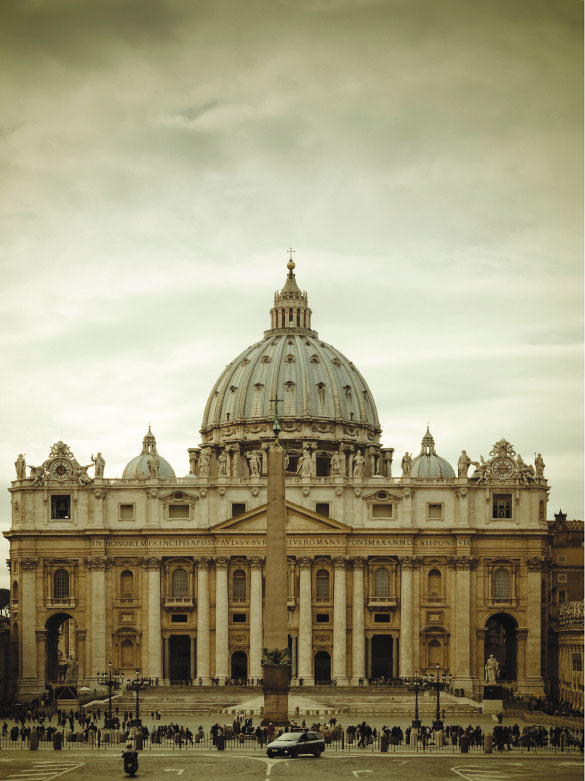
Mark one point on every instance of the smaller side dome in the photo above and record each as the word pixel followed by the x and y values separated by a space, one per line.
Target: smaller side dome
pixel 148 464
pixel 428 465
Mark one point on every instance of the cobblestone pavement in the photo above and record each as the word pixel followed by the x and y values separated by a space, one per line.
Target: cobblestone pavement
pixel 45 766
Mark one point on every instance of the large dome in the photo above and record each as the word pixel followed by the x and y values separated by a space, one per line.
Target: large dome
pixel 310 378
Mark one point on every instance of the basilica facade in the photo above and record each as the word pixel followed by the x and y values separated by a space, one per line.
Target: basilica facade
pixel 395 566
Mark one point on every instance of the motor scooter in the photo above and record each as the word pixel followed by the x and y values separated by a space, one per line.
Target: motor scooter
pixel 130 758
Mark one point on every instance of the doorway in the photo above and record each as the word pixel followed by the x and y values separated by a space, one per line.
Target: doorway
pixel 240 666
pixel 322 667
pixel 179 657
pixel 61 649
pixel 500 640
pixel 382 656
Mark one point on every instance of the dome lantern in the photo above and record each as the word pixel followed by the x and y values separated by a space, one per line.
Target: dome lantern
pixel 291 305
pixel 428 465
pixel 149 463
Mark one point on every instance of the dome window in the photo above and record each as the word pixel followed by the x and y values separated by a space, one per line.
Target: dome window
pixel 347 389
pixel 290 358
pixel 233 388
pixel 336 362
pixel 265 359
pixel 315 358
pixel 245 362
pixel 321 387
pixel 258 386
pixel 289 385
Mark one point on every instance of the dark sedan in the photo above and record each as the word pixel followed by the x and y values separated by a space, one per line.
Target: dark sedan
pixel 291 744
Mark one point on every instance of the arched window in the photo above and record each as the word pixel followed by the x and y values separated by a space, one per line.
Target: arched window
pixel 15 592
pixel 239 585
pixel 381 582
pixel 501 584
pixel 322 584
pixel 126 584
pixel 434 584
pixel 127 653
pixel 61 584
pixel 180 583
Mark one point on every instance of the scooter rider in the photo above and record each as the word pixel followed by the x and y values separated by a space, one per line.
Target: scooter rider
pixel 130 757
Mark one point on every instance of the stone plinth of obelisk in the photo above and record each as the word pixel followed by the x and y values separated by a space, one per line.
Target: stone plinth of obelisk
pixel 276 663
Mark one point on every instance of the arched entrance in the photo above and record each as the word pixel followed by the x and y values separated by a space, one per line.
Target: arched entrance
pixel 61 649
pixel 322 667
pixel 240 665
pixel 501 641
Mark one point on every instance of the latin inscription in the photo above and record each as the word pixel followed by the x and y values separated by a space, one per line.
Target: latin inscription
pixel 292 542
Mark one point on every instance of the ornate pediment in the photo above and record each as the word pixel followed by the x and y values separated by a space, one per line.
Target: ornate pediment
pixel 299 520
pixel 382 496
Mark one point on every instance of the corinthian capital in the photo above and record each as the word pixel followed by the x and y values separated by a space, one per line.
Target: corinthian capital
pixel 98 563
pixel 409 562
pixel 359 562
pixel 221 562
pixel 339 562
pixel 28 564
pixel 304 562
pixel 152 562
pixel 535 564
pixel 255 562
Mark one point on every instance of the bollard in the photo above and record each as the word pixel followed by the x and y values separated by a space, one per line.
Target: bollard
pixel 57 741
pixel 220 742
pixel 488 743
pixel 384 743
pixel 139 741
pixel 33 740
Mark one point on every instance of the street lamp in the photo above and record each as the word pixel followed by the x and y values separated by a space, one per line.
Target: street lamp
pixel 416 685
pixel 438 682
pixel 112 683
pixel 138 685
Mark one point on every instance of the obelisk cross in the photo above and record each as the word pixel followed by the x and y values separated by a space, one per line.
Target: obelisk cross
pixel 276 422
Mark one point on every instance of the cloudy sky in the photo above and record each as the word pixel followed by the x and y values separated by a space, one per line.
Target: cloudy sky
pixel 423 157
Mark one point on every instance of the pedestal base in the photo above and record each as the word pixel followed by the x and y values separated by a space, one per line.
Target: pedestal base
pixel 275 688
pixel 492 706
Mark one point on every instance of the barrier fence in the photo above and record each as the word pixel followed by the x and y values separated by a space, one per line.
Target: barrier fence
pixel 437 743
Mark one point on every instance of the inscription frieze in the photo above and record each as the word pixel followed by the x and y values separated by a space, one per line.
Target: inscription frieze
pixel 333 541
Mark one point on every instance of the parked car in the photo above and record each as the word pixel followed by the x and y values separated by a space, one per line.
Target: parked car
pixel 291 744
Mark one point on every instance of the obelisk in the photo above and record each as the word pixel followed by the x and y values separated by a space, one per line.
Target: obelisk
pixel 276 661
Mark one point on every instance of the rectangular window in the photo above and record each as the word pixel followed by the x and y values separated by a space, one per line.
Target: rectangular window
pixel 322 618
pixel 561 578
pixel 239 618
pixel 61 508
pixel 502 506
pixel 562 559
pixel 126 512
pixel 178 618
pixel 238 508
pixel 179 512
pixel 435 512
pixel 577 663
pixel 382 618
pixel 322 508
pixel 381 511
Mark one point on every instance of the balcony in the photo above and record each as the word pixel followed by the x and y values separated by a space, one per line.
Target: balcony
pixel 503 602
pixel 183 603
pixel 60 602
pixel 377 603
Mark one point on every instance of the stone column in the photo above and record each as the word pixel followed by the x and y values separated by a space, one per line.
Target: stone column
pixel 305 621
pixel 221 618
pixel 154 629
pixel 167 659
pixel 339 622
pixel 358 668
pixel 97 566
pixel 406 617
pixel 203 620
pixel 534 681
pixel 463 617
pixel 192 658
pixel 256 635
pixel 28 620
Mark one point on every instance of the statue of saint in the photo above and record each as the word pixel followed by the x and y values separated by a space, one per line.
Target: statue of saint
pixel 406 465
pixel 491 669
pixel 204 463
pixel 99 465
pixel 36 474
pixel 334 464
pixel 463 464
pixel 304 467
pixel 538 463
pixel 20 465
pixel 222 464
pixel 71 671
pixel 358 464
pixel 81 475
pixel 254 461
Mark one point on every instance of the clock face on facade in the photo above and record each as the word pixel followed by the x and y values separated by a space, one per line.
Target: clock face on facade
pixel 60 469
pixel 503 468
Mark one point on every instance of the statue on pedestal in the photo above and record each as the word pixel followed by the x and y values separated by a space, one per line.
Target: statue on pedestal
pixel 538 463
pixel 204 460
pixel 358 464
pixel 20 465
pixel 304 467
pixel 334 464
pixel 71 671
pixel 99 464
pixel 254 461
pixel 463 464
pixel 406 464
pixel 491 670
